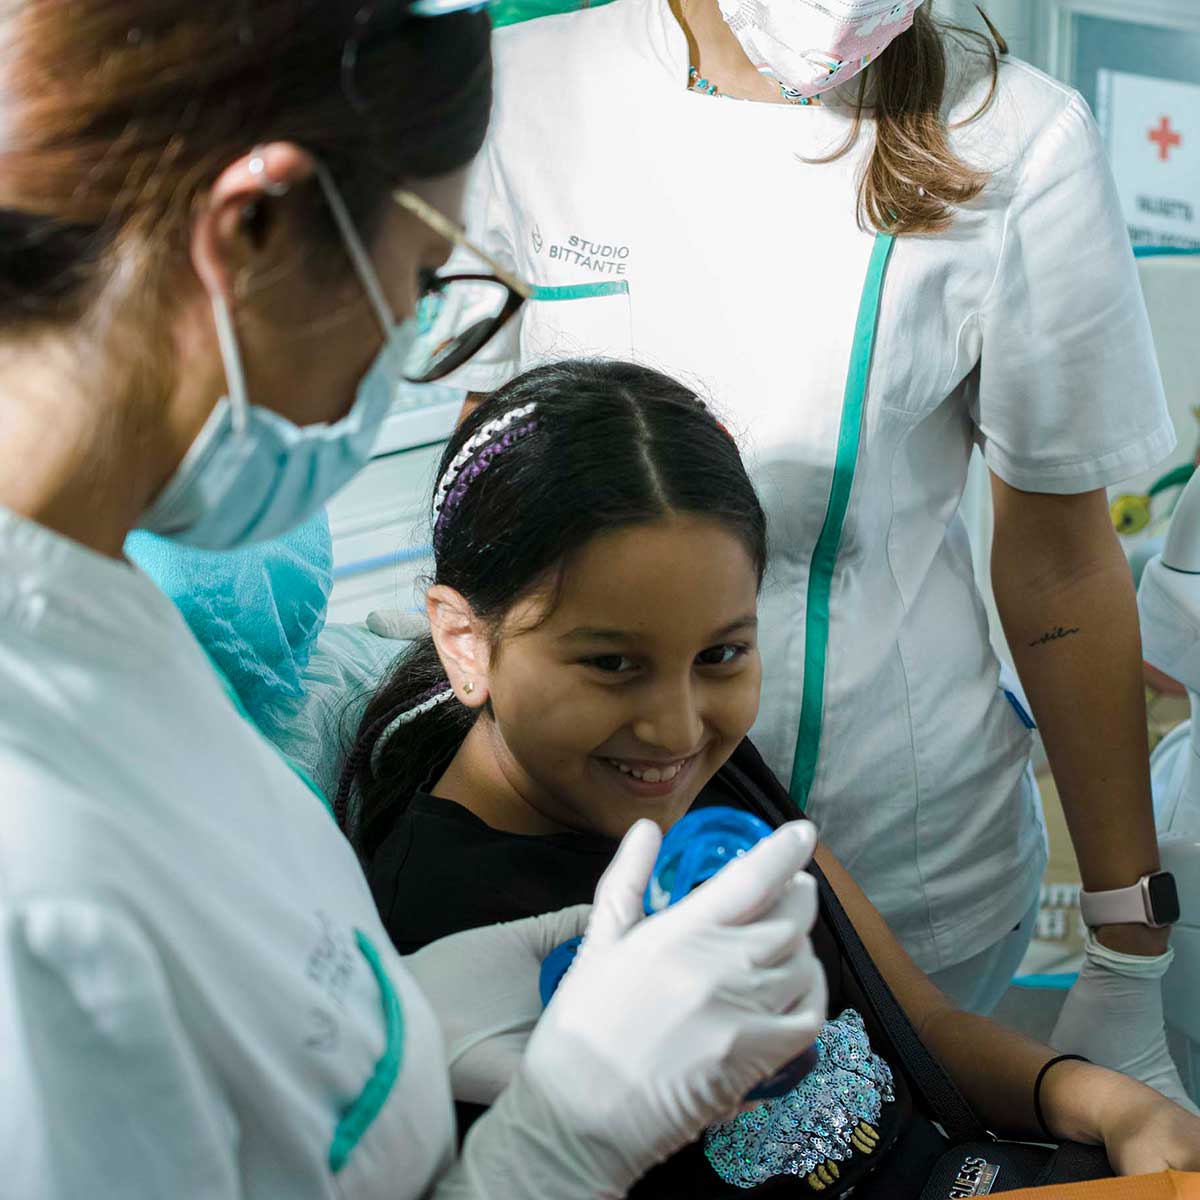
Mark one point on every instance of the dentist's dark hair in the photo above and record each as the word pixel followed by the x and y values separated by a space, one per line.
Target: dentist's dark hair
pixel 607 446
pixel 118 116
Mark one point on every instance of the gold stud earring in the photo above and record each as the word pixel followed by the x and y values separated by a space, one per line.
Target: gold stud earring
pixel 468 688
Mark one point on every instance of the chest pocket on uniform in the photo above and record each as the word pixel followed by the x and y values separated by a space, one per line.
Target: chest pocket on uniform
pixel 360 1114
pixel 402 1106
pixel 577 320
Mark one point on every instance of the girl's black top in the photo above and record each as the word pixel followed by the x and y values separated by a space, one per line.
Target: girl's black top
pixel 435 869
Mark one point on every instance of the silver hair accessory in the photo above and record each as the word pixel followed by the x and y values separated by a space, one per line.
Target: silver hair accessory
pixel 473 444
pixel 409 714
pixel 443 8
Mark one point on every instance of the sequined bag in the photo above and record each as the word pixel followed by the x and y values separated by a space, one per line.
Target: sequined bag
pixel 975 1163
pixel 855 1124
pixel 828 1131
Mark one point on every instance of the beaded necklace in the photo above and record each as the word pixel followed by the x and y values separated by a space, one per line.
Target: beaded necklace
pixel 697 84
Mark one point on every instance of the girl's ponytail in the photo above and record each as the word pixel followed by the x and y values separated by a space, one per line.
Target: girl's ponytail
pixel 383 770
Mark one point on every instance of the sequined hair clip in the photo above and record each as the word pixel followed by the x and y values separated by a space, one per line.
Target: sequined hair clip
pixel 478 453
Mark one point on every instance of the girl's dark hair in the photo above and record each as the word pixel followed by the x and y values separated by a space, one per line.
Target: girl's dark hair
pixel 607 445
pixel 119 114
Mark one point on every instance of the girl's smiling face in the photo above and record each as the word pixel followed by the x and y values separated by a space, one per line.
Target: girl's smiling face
pixel 616 692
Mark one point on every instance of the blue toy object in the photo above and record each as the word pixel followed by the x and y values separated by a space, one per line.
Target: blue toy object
pixel 554 967
pixel 694 849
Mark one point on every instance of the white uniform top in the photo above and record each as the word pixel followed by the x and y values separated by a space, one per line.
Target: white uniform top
pixel 197 998
pixel 689 233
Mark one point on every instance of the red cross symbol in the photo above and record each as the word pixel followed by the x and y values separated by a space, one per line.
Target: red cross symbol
pixel 1166 138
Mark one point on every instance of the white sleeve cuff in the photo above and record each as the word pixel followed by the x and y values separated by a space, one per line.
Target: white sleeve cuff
pixel 1080 475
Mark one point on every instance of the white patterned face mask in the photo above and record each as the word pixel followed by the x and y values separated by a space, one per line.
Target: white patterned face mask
pixel 810 46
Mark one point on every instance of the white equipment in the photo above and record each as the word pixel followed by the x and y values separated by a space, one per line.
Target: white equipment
pixel 1169 602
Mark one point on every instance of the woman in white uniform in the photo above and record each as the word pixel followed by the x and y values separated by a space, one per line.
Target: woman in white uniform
pixel 871 271
pixel 197 998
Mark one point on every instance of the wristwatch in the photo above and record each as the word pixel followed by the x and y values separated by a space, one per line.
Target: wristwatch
pixel 1151 901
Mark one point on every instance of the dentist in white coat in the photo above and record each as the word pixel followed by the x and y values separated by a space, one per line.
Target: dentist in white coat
pixel 196 996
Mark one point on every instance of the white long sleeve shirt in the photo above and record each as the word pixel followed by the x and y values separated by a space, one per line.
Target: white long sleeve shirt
pixel 197 998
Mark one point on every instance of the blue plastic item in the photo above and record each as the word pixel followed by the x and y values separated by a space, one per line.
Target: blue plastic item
pixel 554 967
pixel 694 850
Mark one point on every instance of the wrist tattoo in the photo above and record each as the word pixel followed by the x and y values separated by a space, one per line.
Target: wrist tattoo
pixel 1054 635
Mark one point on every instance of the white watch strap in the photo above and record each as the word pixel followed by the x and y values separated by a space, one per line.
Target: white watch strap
pixel 1121 906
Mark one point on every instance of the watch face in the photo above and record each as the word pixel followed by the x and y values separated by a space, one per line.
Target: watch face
pixel 1164 900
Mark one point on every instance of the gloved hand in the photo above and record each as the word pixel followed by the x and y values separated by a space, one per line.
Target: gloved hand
pixel 1114 1016
pixel 483 986
pixel 660 1027
pixel 398 623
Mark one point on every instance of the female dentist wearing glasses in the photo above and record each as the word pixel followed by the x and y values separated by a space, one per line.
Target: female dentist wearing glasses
pixel 877 243
pixel 196 996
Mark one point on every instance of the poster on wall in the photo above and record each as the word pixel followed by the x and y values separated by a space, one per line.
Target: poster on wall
pixel 1152 127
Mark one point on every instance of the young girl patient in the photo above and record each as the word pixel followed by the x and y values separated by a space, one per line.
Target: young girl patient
pixel 599 552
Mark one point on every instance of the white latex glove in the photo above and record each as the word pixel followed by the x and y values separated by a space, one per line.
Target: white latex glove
pixel 483 986
pixel 397 623
pixel 660 1027
pixel 1114 1016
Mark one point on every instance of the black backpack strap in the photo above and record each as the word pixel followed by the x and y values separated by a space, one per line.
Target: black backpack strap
pixel 758 789
pixel 942 1100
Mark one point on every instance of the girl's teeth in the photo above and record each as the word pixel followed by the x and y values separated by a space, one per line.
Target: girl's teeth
pixel 649 774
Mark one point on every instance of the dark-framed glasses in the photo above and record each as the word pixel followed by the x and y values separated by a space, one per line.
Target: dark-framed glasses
pixel 458 313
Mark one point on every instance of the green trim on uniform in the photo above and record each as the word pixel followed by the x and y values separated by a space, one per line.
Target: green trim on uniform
pixel 824 558
pixel 356 1120
pixel 580 291
pixel 1164 252
pixel 512 12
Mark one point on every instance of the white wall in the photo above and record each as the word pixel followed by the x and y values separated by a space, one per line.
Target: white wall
pixel 1014 18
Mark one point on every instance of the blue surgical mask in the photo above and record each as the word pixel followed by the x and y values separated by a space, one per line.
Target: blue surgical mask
pixel 251 474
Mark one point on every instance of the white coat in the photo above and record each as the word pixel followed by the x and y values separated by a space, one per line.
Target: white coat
pixel 695 234
pixel 197 998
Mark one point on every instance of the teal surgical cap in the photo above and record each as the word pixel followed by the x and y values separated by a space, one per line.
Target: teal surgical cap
pixel 257 610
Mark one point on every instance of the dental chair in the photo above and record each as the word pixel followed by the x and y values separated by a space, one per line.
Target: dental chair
pixel 1169 604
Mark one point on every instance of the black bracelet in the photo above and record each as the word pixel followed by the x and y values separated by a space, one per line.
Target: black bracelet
pixel 1037 1090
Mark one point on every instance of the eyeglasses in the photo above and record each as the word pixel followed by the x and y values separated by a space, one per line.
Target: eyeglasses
pixel 457 314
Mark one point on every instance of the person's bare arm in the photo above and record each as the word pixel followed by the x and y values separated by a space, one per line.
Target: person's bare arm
pixel 996 1068
pixel 1065 595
